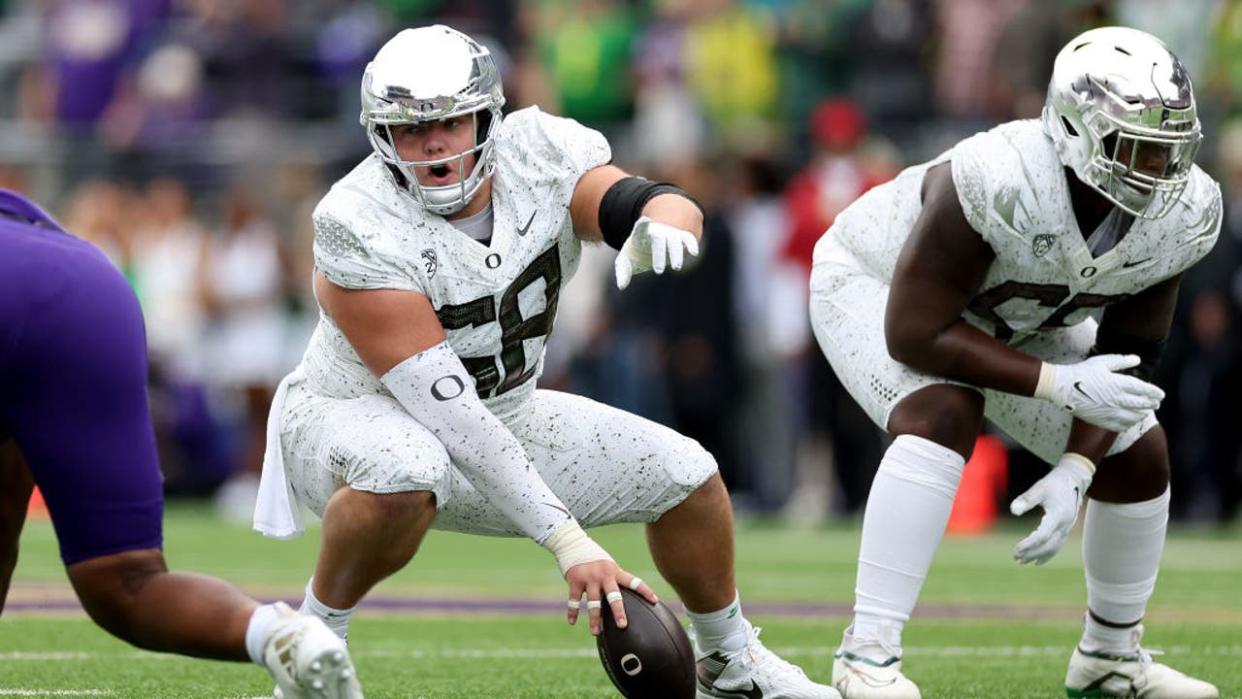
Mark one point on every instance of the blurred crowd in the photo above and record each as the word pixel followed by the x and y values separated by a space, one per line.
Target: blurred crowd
pixel 191 138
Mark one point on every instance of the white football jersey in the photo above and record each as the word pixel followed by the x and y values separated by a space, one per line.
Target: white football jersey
pixel 496 302
pixel 1013 191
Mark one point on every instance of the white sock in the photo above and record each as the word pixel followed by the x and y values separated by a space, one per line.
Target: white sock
pixel 335 619
pixel 725 629
pixel 256 631
pixel 1121 547
pixel 905 518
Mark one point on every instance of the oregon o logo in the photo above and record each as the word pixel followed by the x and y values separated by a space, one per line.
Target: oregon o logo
pixel 631 665
pixel 1088 272
pixel 492 261
pixel 447 387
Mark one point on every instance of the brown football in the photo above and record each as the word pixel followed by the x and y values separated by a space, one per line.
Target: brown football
pixel 649 658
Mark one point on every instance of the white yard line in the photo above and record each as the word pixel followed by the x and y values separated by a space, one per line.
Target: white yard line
pixel 54 692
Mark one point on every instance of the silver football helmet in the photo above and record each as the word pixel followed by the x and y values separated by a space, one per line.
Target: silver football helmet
pixel 428 74
pixel 1121 112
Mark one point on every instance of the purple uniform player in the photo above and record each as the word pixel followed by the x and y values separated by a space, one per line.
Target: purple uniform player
pixel 73 403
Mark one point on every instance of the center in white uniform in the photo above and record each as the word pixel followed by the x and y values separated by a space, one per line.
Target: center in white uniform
pixel 1039 293
pixel 339 426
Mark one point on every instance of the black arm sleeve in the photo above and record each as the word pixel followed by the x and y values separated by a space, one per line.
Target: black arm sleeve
pixel 1109 341
pixel 623 204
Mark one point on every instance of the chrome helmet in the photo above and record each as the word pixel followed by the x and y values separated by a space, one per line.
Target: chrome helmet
pixel 1121 112
pixel 428 74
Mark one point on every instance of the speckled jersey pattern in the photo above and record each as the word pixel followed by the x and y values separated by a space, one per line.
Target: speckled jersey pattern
pixel 1039 293
pixel 497 303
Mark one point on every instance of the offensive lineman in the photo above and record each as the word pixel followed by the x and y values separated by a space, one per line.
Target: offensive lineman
pixel 73 399
pixel 439 260
pixel 979 272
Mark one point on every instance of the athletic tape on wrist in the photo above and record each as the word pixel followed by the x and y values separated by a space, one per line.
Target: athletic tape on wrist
pixel 572 546
pixel 1047 381
pixel 1078 460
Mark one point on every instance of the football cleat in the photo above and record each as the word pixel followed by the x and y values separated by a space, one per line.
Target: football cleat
pixel 859 677
pixel 871 670
pixel 753 672
pixel 1132 676
pixel 307 660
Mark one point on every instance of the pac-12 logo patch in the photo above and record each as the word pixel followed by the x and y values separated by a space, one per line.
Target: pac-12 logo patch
pixel 429 262
pixel 1042 244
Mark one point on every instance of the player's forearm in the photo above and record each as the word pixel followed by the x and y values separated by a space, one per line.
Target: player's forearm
pixel 964 353
pixel 435 389
pixel 1090 441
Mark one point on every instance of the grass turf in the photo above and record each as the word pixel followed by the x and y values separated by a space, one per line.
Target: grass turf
pixel 1013 640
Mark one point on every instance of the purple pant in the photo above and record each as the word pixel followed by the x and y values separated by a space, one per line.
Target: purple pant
pixel 73 380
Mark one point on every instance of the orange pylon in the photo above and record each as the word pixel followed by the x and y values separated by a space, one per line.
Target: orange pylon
pixel 983 480
pixel 38 508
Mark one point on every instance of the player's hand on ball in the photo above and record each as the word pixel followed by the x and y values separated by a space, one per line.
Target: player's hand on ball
pixel 1060 493
pixel 1096 391
pixel 653 246
pixel 600 582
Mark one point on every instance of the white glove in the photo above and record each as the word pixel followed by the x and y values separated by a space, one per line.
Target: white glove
pixel 1094 390
pixel 1060 493
pixel 650 246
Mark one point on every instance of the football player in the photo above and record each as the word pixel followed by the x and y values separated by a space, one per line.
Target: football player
pixel 438 264
pixel 965 288
pixel 74 420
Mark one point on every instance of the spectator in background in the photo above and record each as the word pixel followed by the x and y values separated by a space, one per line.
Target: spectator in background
pixel 159 113
pixel 669 124
pixel 731 64
pixel 765 318
pixel 88 43
pixel 166 256
pixel 585 47
pixel 842 169
pixel 242 281
pixel 970 30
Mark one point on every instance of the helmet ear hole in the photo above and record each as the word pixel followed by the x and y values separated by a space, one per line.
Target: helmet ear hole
pixel 1069 128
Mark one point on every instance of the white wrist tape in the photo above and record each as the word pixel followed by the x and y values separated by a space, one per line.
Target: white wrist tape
pixel 1077 460
pixel 1047 381
pixel 435 390
pixel 572 546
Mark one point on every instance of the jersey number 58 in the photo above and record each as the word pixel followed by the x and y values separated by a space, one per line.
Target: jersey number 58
pixel 514 329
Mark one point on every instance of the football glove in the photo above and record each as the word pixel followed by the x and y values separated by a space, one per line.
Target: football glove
pixel 1060 493
pixel 1095 391
pixel 651 246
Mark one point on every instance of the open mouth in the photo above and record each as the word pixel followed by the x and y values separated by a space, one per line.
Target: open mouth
pixel 440 174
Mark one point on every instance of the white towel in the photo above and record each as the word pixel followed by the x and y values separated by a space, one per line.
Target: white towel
pixel 276 513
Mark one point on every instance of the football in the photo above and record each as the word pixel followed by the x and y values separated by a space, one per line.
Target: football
pixel 649 658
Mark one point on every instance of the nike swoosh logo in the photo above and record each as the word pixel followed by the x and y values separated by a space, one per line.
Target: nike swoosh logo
pixel 1128 263
pixel 558 509
pixel 1078 387
pixel 523 229
pixel 753 693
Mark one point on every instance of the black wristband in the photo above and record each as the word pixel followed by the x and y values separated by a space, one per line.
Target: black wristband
pixel 1109 341
pixel 623 204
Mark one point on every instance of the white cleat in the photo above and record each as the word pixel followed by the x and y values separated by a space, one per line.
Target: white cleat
pixel 307 660
pixel 860 677
pixel 753 672
pixel 1132 676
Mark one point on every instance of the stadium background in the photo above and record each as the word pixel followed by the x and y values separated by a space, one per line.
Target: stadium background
pixel 191 138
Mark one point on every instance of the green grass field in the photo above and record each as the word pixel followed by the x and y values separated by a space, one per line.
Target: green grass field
pixel 987 627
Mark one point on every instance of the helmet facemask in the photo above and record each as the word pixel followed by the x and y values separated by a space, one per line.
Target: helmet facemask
pixel 448 199
pixel 1142 170
pixel 427 75
pixel 1122 115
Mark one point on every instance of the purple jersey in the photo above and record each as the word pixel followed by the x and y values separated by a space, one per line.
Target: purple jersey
pixel 73 373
